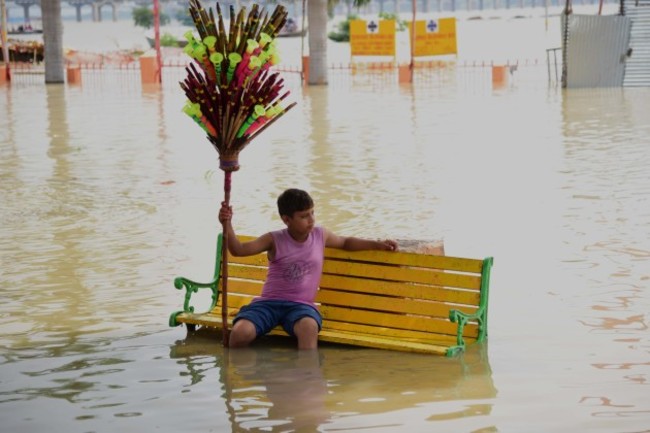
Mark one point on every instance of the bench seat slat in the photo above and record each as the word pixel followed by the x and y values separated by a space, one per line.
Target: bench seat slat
pixel 380 342
pixel 348 319
pixel 333 335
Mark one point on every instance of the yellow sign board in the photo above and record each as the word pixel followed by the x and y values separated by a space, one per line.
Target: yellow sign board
pixel 372 38
pixel 435 37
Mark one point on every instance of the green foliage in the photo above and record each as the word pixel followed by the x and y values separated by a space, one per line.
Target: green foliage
pixel 168 40
pixel 143 17
pixel 401 24
pixel 342 34
pixel 343 31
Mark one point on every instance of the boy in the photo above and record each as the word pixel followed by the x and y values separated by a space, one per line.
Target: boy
pixel 295 266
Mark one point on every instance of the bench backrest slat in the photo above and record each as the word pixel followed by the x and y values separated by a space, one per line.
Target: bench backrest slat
pixel 458 264
pixel 389 304
pixel 395 321
pixel 408 259
pixel 402 273
pixel 393 288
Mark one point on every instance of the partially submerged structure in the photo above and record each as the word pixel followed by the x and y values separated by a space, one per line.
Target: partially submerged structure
pixel 607 51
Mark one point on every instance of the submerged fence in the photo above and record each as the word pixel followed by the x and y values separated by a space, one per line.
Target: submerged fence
pixel 451 72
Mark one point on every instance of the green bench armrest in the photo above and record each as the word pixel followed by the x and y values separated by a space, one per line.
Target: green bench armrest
pixel 480 316
pixel 193 287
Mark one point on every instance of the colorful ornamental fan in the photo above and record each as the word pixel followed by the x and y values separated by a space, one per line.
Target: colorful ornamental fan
pixel 232 94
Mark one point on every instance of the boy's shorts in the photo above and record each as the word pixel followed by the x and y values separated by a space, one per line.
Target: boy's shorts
pixel 266 315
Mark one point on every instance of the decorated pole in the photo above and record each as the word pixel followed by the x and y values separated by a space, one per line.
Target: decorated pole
pixel 232 93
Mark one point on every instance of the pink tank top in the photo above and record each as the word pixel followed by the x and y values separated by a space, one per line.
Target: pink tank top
pixel 294 274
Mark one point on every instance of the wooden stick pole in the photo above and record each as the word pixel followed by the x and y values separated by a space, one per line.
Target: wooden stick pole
pixel 156 25
pixel 224 262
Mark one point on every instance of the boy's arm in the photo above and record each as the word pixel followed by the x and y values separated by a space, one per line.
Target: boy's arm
pixel 235 246
pixel 350 243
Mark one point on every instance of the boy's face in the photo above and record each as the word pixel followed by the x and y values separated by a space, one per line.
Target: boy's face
pixel 301 223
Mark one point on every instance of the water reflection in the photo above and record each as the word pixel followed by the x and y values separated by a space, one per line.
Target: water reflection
pixel 273 387
pixel 107 196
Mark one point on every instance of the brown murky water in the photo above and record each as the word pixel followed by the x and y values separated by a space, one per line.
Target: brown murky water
pixel 108 192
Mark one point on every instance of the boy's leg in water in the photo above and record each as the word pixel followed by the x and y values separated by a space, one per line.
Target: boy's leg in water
pixel 306 330
pixel 242 333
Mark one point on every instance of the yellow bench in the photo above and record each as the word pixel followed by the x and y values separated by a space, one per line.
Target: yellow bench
pixel 389 300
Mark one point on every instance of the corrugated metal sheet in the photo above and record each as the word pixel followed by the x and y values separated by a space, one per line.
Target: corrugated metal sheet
pixel 637 65
pixel 596 50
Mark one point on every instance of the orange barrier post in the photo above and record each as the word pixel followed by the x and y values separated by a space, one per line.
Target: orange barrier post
pixel 74 74
pixel 305 69
pixel 149 69
pixel 3 74
pixel 404 74
pixel 499 76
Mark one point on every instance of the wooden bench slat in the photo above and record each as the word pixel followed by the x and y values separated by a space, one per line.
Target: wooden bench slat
pixel 395 273
pixel 397 321
pixel 256 260
pixel 244 287
pixel 405 334
pixel 254 280
pixel 380 342
pixel 389 304
pixel 459 264
pixel 408 259
pixel 392 288
pixel 246 272
pixel 242 292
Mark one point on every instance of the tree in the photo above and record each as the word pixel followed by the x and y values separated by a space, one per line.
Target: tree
pixel 317 13
pixel 53 41
pixel 143 17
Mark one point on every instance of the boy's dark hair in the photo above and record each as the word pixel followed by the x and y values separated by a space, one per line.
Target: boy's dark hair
pixel 294 200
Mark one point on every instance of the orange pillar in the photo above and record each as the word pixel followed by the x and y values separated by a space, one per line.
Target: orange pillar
pixel 74 74
pixel 149 70
pixel 3 74
pixel 499 76
pixel 305 69
pixel 404 74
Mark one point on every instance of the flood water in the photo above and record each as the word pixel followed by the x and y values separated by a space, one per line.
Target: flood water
pixel 109 192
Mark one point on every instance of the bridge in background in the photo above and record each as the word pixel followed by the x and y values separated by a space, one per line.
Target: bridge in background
pixel 95 5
